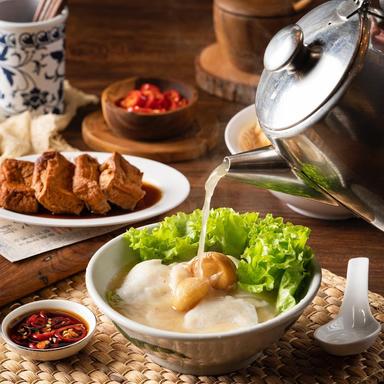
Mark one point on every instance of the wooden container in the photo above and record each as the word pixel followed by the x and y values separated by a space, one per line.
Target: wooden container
pixel 148 126
pixel 244 28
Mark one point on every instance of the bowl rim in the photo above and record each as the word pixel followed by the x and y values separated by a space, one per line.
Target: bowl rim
pixel 234 148
pixel 192 101
pixel 26 308
pixel 20 26
pixel 165 334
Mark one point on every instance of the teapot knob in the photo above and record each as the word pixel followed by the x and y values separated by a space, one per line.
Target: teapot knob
pixel 286 46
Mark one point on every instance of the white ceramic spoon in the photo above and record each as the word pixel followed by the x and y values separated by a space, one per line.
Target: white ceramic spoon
pixel 354 329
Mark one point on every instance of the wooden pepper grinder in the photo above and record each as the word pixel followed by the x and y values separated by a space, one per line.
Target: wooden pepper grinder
pixel 231 68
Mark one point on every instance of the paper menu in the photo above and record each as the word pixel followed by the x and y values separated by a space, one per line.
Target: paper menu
pixel 21 241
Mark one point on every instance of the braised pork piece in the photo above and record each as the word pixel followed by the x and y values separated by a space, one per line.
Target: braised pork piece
pixel 121 182
pixel 86 184
pixel 16 192
pixel 52 182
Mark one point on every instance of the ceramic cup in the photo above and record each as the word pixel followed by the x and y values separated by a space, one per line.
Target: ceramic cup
pixel 32 63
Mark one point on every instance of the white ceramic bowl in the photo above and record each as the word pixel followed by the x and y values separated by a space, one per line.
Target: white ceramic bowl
pixel 49 354
pixel 307 207
pixel 198 354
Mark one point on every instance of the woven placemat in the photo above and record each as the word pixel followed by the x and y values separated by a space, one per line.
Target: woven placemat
pixel 110 358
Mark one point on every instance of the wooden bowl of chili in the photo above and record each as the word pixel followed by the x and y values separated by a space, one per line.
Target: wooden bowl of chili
pixel 144 108
pixel 48 329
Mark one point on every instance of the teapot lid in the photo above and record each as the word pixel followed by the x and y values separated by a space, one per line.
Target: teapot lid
pixel 307 62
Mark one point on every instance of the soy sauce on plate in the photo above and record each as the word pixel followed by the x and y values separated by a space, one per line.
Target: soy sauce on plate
pixel 152 196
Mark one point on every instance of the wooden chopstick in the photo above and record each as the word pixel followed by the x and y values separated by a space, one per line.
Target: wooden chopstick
pixel 55 7
pixel 47 9
pixel 43 14
pixel 39 10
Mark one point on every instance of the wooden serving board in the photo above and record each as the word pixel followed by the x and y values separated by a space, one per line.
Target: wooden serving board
pixel 23 277
pixel 199 140
pixel 217 76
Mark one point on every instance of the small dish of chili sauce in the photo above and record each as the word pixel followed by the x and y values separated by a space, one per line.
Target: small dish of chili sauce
pixel 47 329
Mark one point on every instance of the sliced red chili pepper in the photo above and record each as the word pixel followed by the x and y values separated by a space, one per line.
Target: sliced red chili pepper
pixel 149 88
pixel 167 103
pixel 61 321
pixel 172 95
pixel 71 333
pixel 156 102
pixel 42 336
pixel 142 101
pixel 37 320
pixel 132 99
pixel 149 99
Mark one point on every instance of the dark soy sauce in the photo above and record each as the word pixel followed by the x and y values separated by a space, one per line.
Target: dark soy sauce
pixel 152 196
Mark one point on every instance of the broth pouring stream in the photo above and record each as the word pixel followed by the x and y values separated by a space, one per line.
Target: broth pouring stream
pixel 210 185
pixel 220 311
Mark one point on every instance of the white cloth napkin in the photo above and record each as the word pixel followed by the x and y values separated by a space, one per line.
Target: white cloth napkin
pixel 26 134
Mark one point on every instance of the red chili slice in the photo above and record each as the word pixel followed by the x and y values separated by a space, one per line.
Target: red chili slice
pixel 156 102
pixel 61 321
pixel 142 101
pixel 149 99
pixel 150 88
pixel 71 333
pixel 132 99
pixel 37 320
pixel 42 336
pixel 172 95
pixel 167 103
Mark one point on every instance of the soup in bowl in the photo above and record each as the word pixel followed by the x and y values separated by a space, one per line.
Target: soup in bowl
pixel 207 315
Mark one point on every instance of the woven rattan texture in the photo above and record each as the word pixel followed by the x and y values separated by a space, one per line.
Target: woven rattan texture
pixel 110 358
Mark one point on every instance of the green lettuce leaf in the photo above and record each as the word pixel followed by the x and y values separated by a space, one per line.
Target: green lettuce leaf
pixel 274 258
pixel 175 239
pixel 277 259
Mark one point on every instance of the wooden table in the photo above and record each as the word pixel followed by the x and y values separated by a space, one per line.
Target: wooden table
pixel 111 40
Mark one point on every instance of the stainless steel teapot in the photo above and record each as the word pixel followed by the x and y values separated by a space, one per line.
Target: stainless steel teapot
pixel 320 101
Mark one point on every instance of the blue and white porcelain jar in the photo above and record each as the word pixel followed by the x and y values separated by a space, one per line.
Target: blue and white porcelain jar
pixel 32 65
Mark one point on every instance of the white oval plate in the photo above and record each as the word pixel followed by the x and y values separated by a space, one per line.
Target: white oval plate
pixel 173 185
pixel 305 207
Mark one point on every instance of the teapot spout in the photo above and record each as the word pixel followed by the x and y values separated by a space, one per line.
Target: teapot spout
pixel 266 169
